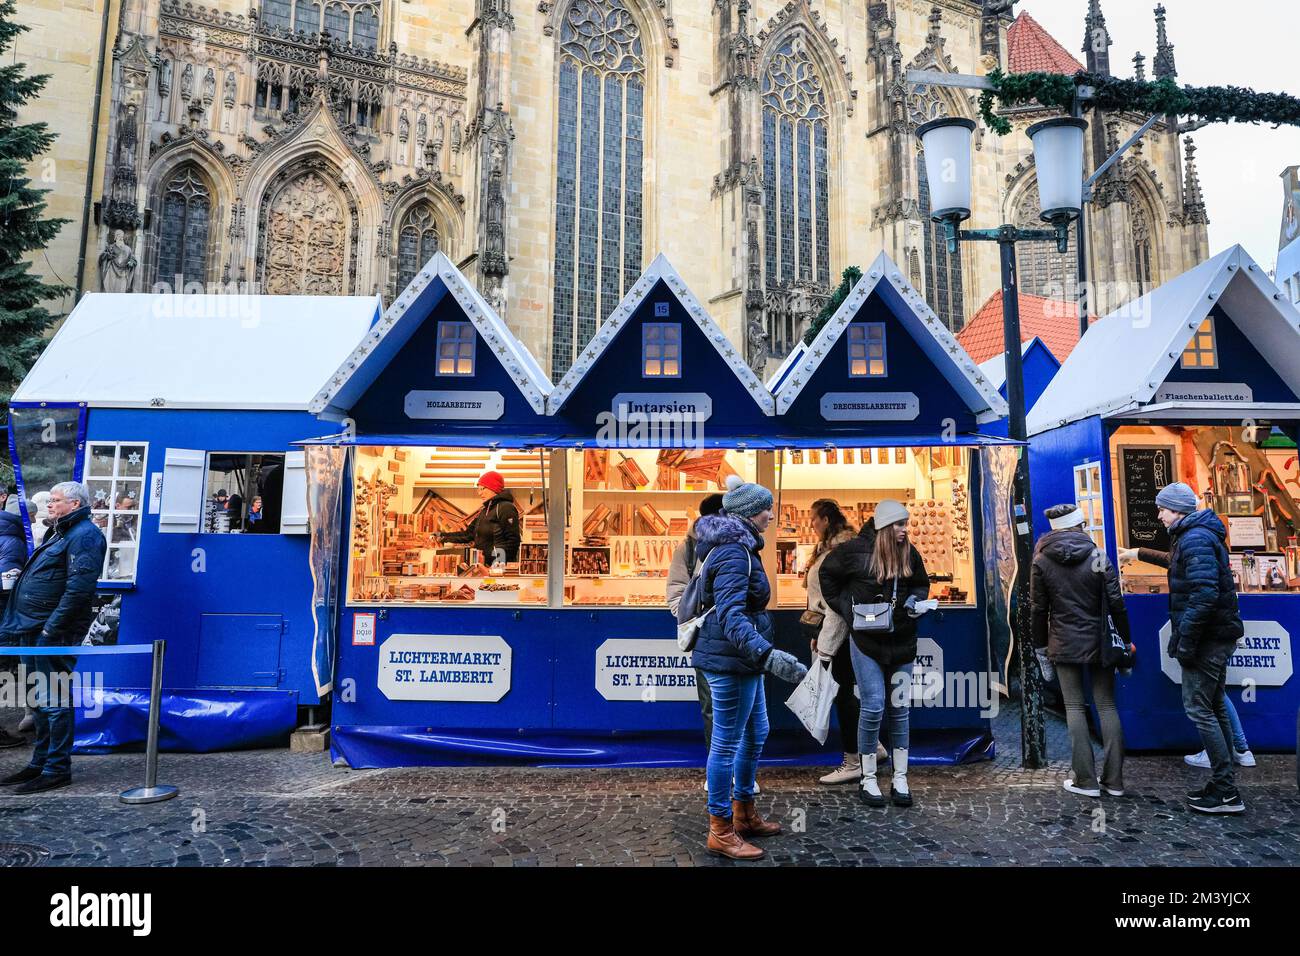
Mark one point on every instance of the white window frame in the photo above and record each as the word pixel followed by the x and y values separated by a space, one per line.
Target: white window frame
pixel 1091 494
pixel 1194 347
pixel 458 341
pixel 862 336
pixel 661 345
pixel 111 512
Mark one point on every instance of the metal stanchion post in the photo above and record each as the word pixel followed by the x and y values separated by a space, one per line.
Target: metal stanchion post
pixel 151 792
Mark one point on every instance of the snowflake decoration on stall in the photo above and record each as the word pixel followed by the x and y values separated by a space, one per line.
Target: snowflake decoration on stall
pixel 133 458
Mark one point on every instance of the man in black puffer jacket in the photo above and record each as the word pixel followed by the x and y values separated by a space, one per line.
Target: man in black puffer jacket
pixel 1205 626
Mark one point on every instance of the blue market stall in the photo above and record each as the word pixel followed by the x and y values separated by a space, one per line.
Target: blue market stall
pixel 1197 381
pixel 179 414
pixel 565 655
pixel 1040 367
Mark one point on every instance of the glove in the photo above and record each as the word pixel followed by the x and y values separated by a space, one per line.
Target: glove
pixel 910 603
pixel 1185 657
pixel 1045 664
pixel 785 667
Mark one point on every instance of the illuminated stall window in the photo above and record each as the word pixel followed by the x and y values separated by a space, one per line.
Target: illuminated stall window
pixel 455 348
pixel 1088 498
pixel 661 350
pixel 867 350
pixel 1201 351
pixel 115 478
pixel 414 513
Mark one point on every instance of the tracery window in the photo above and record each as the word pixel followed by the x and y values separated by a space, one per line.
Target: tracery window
pixel 1141 250
pixel 796 186
pixel 943 279
pixel 1041 269
pixel 354 21
pixel 183 232
pixel 276 13
pixel 306 235
pixel 598 183
pixel 417 241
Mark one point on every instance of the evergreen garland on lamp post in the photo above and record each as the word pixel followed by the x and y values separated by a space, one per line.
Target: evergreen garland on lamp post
pixel 23 321
pixel 1215 104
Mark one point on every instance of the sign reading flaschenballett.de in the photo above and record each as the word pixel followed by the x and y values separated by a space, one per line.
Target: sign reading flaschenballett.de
pixel 696 406
pixel 476 406
pixel 469 667
pixel 647 670
pixel 1262 655
pixel 1224 392
pixel 870 406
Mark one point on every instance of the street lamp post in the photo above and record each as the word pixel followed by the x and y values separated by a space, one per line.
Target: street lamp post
pixel 1058 157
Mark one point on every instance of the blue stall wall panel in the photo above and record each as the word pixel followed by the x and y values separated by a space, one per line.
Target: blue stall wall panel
pixel 909 370
pixel 181 577
pixel 1053 456
pixel 619 369
pixel 1150 704
pixel 381 409
pixel 239 650
pixel 1239 361
pixel 1040 367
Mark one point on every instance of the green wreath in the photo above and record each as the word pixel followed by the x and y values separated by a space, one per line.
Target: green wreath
pixel 1216 104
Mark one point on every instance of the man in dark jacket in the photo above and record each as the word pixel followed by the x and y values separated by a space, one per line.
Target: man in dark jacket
pixel 13 552
pixel 1072 589
pixel 1205 626
pixel 51 605
pixel 494 529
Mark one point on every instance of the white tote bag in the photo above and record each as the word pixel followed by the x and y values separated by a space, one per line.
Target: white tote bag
pixel 813 699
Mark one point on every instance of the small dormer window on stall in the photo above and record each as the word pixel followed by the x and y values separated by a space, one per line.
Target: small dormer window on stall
pixel 867 350
pixel 455 348
pixel 1201 351
pixel 661 350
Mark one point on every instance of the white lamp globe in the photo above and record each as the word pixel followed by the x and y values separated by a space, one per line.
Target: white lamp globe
pixel 947 145
pixel 1058 158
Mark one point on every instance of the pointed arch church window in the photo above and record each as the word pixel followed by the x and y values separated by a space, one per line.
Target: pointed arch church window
pixel 184 230
pixel 417 242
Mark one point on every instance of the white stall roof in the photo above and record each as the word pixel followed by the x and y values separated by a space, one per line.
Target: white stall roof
pixel 1124 358
pixel 128 350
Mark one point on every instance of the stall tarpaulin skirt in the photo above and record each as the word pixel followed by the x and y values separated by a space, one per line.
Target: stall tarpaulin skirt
pixel 195 721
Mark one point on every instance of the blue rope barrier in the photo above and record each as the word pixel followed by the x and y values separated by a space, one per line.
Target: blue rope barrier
pixel 77 650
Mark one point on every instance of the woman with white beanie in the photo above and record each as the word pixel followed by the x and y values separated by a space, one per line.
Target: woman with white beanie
pixel 880 567
pixel 734 649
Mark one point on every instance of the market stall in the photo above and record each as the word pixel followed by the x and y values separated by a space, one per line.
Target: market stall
pixel 1197 382
pixel 563 651
pixel 179 414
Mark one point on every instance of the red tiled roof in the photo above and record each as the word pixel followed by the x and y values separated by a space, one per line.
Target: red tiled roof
pixel 1031 49
pixel 1053 321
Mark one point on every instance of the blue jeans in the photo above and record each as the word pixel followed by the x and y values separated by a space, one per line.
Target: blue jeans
pixel 1239 742
pixel 883 694
pixel 54 729
pixel 739 732
pixel 1203 701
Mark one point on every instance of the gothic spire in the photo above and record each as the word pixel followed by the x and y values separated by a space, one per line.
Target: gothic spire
pixel 1096 40
pixel 1164 61
pixel 1193 200
pixel 1139 67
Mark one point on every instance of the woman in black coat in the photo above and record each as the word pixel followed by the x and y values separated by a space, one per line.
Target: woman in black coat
pixel 1072 587
pixel 880 566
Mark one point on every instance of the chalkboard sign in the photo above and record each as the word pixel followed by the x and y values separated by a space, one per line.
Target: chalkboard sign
pixel 1143 471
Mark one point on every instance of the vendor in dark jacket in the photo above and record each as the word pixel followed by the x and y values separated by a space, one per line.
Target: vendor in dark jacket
pixel 734 649
pixel 1205 625
pixel 1072 588
pixel 51 605
pixel 880 567
pixel 494 529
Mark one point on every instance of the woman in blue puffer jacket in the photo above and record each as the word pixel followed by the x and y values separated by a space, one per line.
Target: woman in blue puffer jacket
pixel 733 649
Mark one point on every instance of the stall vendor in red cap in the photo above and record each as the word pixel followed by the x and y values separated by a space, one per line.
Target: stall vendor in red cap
pixel 494 529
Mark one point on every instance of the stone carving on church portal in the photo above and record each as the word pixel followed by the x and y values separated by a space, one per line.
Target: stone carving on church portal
pixel 306 235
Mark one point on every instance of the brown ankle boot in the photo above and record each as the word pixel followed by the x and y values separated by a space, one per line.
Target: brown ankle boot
pixel 749 824
pixel 724 841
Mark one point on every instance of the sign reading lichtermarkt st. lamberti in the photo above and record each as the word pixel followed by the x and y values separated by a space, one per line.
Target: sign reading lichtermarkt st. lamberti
pixel 1262 655
pixel 646 670
pixel 870 406
pixel 469 667
pixel 476 406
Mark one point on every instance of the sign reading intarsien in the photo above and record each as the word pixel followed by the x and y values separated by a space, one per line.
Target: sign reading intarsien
pixel 696 406
pixel 870 406
pixel 470 667
pixel 479 406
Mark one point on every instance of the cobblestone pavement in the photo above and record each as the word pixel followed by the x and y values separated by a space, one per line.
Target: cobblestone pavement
pixel 267 808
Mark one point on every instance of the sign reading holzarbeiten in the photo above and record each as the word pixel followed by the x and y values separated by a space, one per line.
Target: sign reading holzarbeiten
pixel 474 406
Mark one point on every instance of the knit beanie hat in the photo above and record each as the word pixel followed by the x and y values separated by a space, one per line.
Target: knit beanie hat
pixel 492 481
pixel 889 512
pixel 744 499
pixel 1177 497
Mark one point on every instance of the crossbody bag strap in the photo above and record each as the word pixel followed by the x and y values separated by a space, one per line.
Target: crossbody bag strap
pixel 749 569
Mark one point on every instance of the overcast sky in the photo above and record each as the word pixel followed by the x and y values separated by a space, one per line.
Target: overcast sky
pixel 1253 43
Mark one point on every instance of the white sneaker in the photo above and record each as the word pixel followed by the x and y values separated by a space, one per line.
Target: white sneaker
pixel 1113 793
pixel 849 770
pixel 1201 760
pixel 1083 791
pixel 1243 758
pixel 29 723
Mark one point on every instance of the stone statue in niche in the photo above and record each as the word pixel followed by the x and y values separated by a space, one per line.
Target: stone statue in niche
pixel 228 90
pixel 124 161
pixel 403 127
pixel 421 129
pixel 117 265
pixel 165 78
pixel 757 346
pixel 187 81
pixel 456 134
pixel 209 85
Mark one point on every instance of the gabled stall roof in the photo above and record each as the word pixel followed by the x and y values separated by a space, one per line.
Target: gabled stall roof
pixel 920 321
pixel 996 367
pixel 774 380
pixel 1126 356
pixel 660 269
pixel 368 359
pixel 133 350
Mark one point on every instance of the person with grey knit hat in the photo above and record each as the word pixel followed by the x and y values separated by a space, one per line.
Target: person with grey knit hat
pixel 734 649
pixel 1204 627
